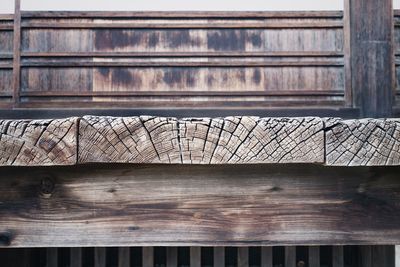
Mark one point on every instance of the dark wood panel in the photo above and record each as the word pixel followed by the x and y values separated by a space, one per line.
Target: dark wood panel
pixel 199 205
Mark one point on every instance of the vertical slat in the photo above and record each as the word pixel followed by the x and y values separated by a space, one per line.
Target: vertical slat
pixel 365 256
pixel 124 257
pixel 266 257
pixel 290 256
pixel 313 256
pixel 76 257
pixel 195 256
pixel 243 257
pixel 337 256
pixel 51 257
pixel 347 54
pixel 397 251
pixel 172 256
pixel 100 257
pixel 17 53
pixel 148 256
pixel 383 256
pixel 219 256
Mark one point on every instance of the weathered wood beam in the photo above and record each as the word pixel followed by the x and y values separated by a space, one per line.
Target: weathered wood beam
pixel 38 142
pixel 195 205
pixel 229 140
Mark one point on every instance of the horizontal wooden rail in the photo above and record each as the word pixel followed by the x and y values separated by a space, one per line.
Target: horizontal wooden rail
pixel 187 54
pixel 182 14
pixel 300 93
pixel 180 25
pixel 230 140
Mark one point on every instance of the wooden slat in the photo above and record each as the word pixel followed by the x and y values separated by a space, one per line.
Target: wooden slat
pixel 397 252
pixel 124 257
pixel 76 93
pixel 290 256
pixel 148 256
pixel 185 54
pixel 172 257
pixel 219 256
pixel 76 257
pixel 187 63
pixel 243 25
pixel 52 257
pixel 100 257
pixel 195 256
pixel 243 257
pixel 313 256
pixel 182 14
pixel 337 256
pixel 266 257
pixel 16 82
pixel 347 54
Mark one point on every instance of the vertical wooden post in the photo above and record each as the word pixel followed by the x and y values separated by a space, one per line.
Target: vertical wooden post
pixel 266 257
pixel 148 257
pixel 397 252
pixel 195 256
pixel 16 83
pixel 219 256
pixel 371 44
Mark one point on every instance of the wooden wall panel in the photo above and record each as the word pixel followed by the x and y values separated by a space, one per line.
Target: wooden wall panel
pixel 200 59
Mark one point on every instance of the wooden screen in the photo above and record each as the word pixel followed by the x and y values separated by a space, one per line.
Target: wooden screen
pixel 200 59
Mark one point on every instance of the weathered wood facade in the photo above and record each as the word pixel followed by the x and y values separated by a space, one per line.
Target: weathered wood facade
pixel 230 157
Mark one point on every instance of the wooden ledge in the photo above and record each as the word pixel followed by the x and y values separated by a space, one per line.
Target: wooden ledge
pixel 230 140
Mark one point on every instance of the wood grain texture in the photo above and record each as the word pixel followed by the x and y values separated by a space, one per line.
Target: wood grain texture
pixel 186 205
pixel 130 139
pixel 365 142
pixel 235 140
pixel 38 142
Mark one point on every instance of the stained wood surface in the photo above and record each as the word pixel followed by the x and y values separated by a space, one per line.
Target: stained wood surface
pixel 120 55
pixel 229 140
pixel 195 205
pixel 38 142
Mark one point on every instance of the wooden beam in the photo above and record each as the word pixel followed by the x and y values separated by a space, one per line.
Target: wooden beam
pixel 195 205
pixel 201 141
pixel 363 142
pixel 229 140
pixel 38 142
pixel 372 56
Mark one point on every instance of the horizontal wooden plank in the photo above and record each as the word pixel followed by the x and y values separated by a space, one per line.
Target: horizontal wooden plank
pixel 186 63
pixel 235 140
pixel 363 142
pixel 195 205
pixel 177 25
pixel 38 142
pixel 182 14
pixel 77 93
pixel 186 54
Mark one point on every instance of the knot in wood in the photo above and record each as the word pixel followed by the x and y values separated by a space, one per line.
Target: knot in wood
pixel 5 238
pixel 46 187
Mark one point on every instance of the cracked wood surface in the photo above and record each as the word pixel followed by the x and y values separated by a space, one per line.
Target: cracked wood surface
pixel 236 140
pixel 230 140
pixel 365 142
pixel 38 142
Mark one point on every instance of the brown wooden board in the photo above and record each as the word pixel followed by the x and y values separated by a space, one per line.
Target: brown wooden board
pixel 122 205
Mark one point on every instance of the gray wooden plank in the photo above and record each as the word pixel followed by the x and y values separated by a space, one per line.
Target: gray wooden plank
pixel 148 256
pixel 195 256
pixel 266 257
pixel 219 256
